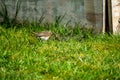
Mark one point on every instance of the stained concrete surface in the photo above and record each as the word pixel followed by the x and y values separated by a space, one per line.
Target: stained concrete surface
pixel 74 10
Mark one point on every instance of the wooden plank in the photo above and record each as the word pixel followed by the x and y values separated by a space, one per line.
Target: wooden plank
pixel 115 15
pixel 104 16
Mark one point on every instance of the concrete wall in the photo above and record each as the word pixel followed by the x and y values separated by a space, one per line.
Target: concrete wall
pixel 84 11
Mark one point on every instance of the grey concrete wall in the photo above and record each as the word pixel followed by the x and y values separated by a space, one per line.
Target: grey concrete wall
pixel 94 13
pixel 74 11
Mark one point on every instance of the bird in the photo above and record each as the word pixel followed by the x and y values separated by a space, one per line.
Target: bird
pixel 44 35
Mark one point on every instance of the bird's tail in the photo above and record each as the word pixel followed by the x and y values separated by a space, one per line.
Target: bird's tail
pixel 34 33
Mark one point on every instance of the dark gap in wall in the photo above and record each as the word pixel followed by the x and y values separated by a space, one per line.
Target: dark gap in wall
pixel 108 17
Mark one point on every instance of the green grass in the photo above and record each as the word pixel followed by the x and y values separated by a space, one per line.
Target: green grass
pixel 23 57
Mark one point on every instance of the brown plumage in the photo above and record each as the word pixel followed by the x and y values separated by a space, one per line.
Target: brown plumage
pixel 45 35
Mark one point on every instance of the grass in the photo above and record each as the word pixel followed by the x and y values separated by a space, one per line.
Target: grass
pixel 79 57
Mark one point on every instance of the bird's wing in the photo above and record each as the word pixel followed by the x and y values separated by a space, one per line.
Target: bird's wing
pixel 43 33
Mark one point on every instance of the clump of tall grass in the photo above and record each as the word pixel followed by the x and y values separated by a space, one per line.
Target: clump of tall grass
pixel 4 13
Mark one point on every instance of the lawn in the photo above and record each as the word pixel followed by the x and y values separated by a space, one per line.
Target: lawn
pixel 24 57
